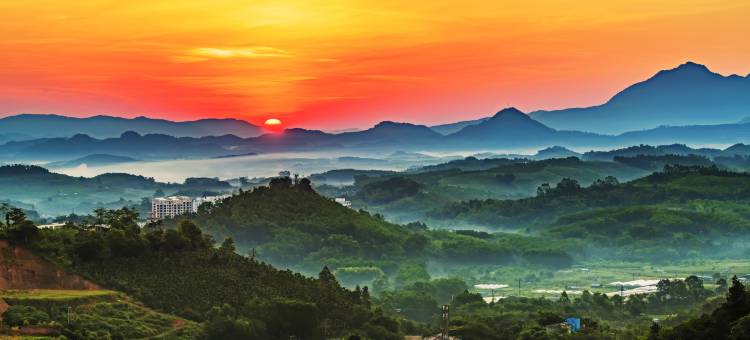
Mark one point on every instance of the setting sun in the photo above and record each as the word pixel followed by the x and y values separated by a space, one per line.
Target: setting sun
pixel 273 125
pixel 273 122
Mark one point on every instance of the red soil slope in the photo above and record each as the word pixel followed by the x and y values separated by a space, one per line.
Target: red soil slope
pixel 20 269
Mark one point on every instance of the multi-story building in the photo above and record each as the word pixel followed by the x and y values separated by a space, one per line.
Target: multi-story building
pixel 172 206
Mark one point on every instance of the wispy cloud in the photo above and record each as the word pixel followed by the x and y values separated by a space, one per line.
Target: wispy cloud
pixel 206 53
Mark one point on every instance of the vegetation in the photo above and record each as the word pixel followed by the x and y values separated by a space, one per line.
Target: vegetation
pixel 230 293
pixel 53 194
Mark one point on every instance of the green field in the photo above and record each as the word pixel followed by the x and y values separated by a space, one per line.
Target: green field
pixel 55 294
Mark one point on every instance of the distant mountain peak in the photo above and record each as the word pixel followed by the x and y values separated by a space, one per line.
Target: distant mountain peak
pixel 688 68
pixel 510 111
pixel 689 94
pixel 387 123
pixel 693 65
pixel 506 123
pixel 392 124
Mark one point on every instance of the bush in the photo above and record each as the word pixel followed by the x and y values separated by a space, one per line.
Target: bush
pixel 21 315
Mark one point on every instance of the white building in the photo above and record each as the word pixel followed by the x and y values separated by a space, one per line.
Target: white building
pixel 343 201
pixel 213 199
pixel 172 206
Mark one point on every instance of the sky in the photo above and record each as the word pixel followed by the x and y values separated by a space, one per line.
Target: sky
pixel 342 64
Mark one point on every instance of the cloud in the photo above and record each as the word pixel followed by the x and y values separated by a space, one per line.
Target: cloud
pixel 205 53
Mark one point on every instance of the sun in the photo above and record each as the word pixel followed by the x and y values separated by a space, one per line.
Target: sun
pixel 273 125
pixel 273 122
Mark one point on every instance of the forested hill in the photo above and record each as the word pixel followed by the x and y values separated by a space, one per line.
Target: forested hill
pixel 54 194
pixel 675 185
pixel 290 224
pixel 181 271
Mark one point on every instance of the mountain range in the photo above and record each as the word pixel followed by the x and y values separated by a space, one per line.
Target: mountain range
pixel 508 129
pixel 29 126
pixel 709 109
pixel 689 94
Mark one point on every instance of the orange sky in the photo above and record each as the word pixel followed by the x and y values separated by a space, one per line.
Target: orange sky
pixel 349 63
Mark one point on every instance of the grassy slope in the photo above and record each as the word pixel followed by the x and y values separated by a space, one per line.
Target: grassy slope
pixel 99 314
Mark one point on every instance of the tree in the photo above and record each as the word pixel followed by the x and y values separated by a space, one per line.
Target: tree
pixel 305 184
pixel 326 277
pixel 227 247
pixel 736 297
pixel 564 299
pixel 224 324
pixel 467 298
pixel 193 234
pixel 20 229
pixel 543 190
pixel 654 330
pixel 695 287
pixel 15 216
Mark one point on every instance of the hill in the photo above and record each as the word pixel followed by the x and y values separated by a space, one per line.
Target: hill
pixel 52 126
pixel 52 194
pixel 290 225
pixel 234 296
pixel 406 197
pixel 680 186
pixel 689 94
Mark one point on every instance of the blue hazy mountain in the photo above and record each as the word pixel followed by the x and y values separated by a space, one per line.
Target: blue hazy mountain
pixel 512 128
pixel 50 126
pixel 555 152
pixel 447 129
pixel 129 144
pixel 508 129
pixel 690 134
pixel 687 95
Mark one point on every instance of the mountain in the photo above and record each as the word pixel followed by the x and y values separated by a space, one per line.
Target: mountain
pixel 447 129
pixel 384 135
pixel 129 144
pixel 98 159
pixel 50 126
pixel 689 94
pixel 513 128
pixel 692 134
pixel 507 123
pixel 555 152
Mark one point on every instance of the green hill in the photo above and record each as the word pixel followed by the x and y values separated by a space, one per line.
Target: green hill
pixel 290 225
pixel 676 185
pixel 180 271
pixel 53 194
pixel 409 196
